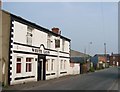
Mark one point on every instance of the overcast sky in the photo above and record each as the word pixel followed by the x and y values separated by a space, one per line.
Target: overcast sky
pixel 81 22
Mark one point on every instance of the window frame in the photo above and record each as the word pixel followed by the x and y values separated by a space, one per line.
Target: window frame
pixel 27 63
pixel 63 45
pixel 19 62
pixel 47 64
pixel 49 36
pixel 29 35
pixel 61 64
pixel 52 64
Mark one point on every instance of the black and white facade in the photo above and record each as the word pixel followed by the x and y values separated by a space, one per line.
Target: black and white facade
pixel 36 53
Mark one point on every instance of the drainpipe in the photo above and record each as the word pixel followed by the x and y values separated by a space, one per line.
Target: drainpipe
pixel 58 63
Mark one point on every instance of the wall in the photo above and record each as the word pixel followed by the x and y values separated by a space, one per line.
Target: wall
pixel 74 69
pixel 5 45
pixel 0 46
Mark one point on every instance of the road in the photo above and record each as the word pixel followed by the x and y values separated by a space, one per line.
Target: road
pixel 106 79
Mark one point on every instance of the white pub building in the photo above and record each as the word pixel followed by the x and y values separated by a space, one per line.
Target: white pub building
pixel 35 53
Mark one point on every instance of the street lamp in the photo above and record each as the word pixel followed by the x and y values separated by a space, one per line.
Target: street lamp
pixel 105 54
pixel 89 47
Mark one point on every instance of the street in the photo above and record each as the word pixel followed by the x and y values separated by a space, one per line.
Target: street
pixel 106 79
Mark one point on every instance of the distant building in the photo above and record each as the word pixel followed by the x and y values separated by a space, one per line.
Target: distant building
pixel 81 59
pixel 100 60
pixel 115 60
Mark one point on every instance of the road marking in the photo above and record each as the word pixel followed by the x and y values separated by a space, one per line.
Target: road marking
pixel 113 85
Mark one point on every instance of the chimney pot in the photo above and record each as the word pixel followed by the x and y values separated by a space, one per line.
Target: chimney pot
pixel 56 30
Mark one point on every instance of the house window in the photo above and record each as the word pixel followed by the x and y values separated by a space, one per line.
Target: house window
pixel 28 64
pixel 113 58
pixel 18 65
pixel 47 64
pixel 29 35
pixel 49 41
pixel 52 64
pixel 63 45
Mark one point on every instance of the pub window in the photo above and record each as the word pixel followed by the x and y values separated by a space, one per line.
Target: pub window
pixel 61 64
pixel 18 65
pixel 29 64
pixel 29 35
pixel 64 64
pixel 52 64
pixel 47 64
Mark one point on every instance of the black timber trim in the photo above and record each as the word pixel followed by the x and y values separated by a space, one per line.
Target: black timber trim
pixel 21 20
pixel 25 45
pixel 62 72
pixel 38 47
pixel 18 78
pixel 50 74
pixel 38 54
pixel 64 52
pixel 10 52
pixel 51 49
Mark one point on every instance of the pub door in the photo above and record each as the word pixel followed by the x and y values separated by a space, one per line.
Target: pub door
pixel 41 67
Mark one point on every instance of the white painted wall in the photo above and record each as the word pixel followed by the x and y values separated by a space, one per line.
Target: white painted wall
pixel 75 69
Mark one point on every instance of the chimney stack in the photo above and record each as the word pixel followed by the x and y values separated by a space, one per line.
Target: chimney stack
pixel 56 30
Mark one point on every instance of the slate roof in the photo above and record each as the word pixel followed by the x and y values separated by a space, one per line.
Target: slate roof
pixel 78 54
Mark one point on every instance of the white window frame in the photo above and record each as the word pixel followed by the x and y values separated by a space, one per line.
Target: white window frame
pixel 47 64
pixel 27 70
pixel 29 35
pixel 63 45
pixel 61 64
pixel 19 63
pixel 49 41
pixel 52 64
pixel 64 64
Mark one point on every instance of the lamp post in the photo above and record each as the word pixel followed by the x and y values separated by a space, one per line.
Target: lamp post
pixel 89 54
pixel 105 54
pixel 89 47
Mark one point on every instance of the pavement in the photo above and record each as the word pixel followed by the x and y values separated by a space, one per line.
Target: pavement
pixel 106 79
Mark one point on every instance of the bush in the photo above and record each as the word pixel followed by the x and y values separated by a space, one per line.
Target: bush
pixel 92 69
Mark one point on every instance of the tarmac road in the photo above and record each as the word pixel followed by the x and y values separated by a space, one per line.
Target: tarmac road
pixel 106 79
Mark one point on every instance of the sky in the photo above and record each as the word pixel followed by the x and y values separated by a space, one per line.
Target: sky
pixel 82 22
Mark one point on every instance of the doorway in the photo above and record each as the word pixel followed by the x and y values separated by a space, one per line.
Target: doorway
pixel 41 67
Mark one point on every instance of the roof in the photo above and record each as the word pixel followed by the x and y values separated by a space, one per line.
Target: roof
pixel 102 55
pixel 77 59
pixel 78 54
pixel 22 20
pixel 115 55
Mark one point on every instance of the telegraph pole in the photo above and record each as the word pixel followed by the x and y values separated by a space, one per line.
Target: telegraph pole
pixel 105 54
pixel 105 48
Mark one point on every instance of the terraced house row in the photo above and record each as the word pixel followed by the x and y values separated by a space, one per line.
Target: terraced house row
pixel 31 52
